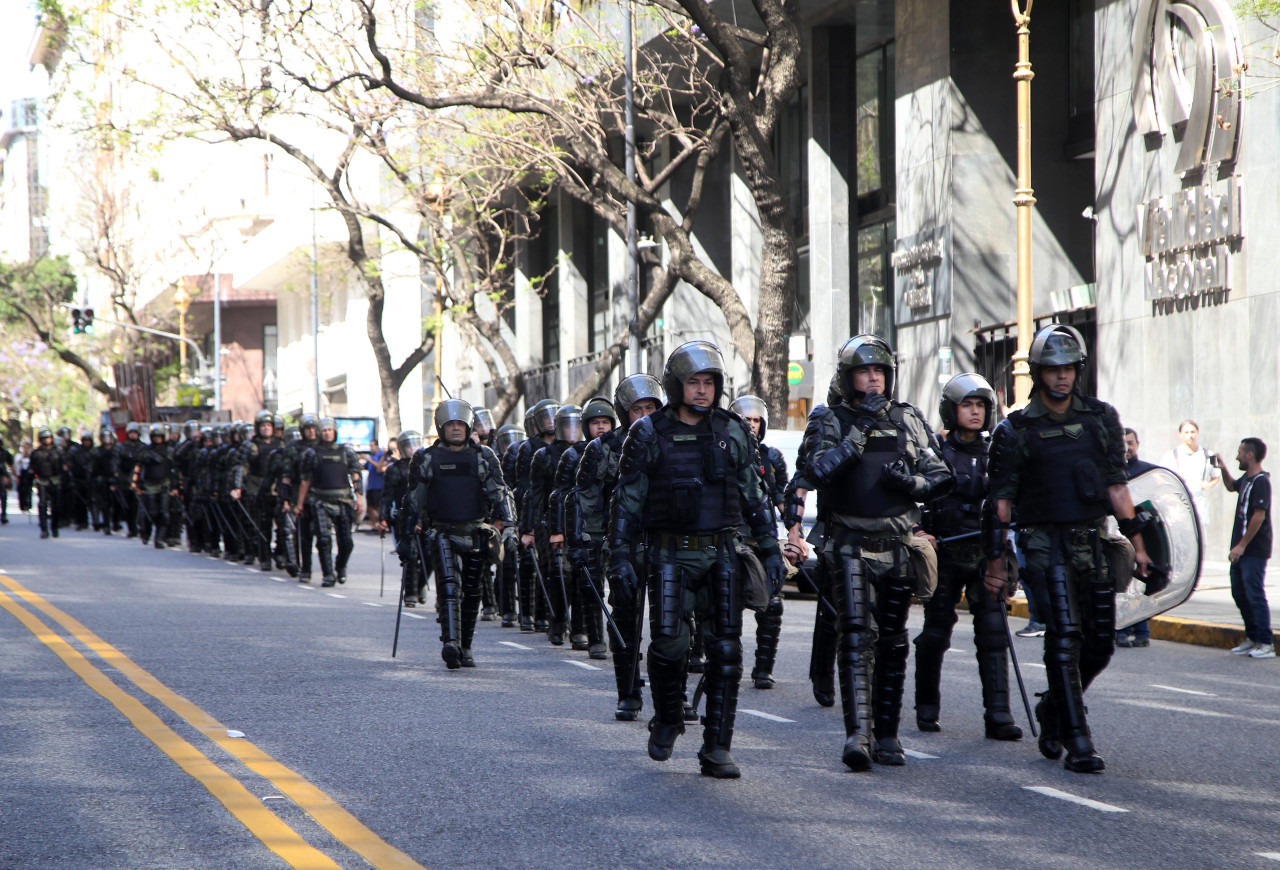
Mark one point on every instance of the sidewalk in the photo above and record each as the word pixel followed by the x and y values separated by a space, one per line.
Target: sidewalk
pixel 1209 617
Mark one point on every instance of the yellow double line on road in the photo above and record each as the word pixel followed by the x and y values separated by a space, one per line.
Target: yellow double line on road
pixel 239 801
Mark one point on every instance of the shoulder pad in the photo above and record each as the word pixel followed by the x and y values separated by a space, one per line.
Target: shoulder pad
pixel 1095 406
pixel 1016 419
pixel 488 455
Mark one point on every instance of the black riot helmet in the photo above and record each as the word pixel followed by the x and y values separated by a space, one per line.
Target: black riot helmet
pixel 687 360
pixel 544 417
pixel 451 410
pixel 328 424
pixel 966 385
pixel 834 394
pixel 159 430
pixel 507 437
pixel 106 436
pixel 86 436
pixel 1056 345
pixel 190 429
pixel 528 424
pixel 752 406
pixel 64 432
pixel 261 418
pixel 409 441
pixel 210 436
pixel 278 422
pixel 864 350
pixel 568 424
pixel 292 434
pixel 131 429
pixel 632 389
pixel 44 433
pixel 598 407
pixel 484 424
pixel 309 420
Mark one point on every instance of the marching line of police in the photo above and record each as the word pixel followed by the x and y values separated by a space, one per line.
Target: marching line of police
pixel 675 501
pixel 242 491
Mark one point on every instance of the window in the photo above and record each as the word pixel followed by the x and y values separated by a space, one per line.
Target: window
pixel 874 129
pixel 596 269
pixel 874 311
pixel 543 255
pixel 791 145
pixel 270 375
pixel 1080 96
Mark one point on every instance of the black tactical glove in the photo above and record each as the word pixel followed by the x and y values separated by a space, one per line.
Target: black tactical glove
pixel 775 572
pixel 897 475
pixel 622 578
pixel 873 403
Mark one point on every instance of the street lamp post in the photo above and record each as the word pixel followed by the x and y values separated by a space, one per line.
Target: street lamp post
pixel 181 302
pixel 629 155
pixel 1024 200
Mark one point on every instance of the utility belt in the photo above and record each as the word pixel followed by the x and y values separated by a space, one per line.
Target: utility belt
pixel 1084 533
pixel 877 545
pixel 469 528
pixel 663 539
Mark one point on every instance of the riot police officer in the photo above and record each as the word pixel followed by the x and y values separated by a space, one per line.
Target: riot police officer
pixel 456 485
pixel 581 560
pixel 48 466
pixel 105 478
pixel 954 521
pixel 540 422
pixel 331 484
pixel 586 515
pixel 252 487
pixel 773 472
pixel 154 484
pixel 1057 470
pixel 484 428
pixel 304 521
pixel 126 458
pixel 79 461
pixel 872 459
pixel 567 434
pixel 506 444
pixel 395 491
pixel 185 456
pixel 686 482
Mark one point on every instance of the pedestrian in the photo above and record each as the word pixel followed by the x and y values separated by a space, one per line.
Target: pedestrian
pixel 954 522
pixel 26 480
pixel 331 487
pixel 687 481
pixel 773 474
pixel 376 466
pixel 154 482
pixel 1060 462
pixel 48 467
pixel 6 482
pixel 1251 547
pixel 872 459
pixel 1137 635
pixel 456 485
pixel 1197 466
pixel 582 565
pixel 586 518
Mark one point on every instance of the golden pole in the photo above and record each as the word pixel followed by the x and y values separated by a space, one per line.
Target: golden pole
pixel 1024 199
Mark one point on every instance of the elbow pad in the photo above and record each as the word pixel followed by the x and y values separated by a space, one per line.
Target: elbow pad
pixel 624 531
pixel 792 510
pixel 823 468
pixel 993 537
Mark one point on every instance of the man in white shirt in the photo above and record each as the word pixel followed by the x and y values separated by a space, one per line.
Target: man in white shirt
pixel 1195 465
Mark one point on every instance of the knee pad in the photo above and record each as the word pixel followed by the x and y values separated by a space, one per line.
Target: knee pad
pixel 725 655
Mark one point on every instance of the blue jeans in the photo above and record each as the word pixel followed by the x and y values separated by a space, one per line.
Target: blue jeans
pixel 1138 629
pixel 1248 576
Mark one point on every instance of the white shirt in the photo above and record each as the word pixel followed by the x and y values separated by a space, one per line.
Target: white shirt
pixel 1195 469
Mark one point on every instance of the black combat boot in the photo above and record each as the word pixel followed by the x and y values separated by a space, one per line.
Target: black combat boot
pixel 666 678
pixel 993 670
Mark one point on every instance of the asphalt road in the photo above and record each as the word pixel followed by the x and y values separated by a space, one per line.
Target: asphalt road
pixel 114 746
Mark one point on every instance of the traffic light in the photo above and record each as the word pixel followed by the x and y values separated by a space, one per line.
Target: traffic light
pixel 86 318
pixel 77 321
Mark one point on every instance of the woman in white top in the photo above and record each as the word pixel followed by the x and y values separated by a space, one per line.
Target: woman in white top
pixel 1195 465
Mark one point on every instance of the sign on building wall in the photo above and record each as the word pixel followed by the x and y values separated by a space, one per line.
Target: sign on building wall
pixel 1187 65
pixel 922 276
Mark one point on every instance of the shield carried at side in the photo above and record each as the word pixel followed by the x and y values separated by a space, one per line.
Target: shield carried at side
pixel 1173 542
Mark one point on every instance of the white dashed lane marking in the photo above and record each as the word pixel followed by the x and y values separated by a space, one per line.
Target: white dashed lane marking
pixel 414 616
pixel 1074 799
pixel 335 595
pixel 1272 856
pixel 370 604
pixel 278 579
pixel 1039 665
pixel 1183 691
pixel 763 715
pixel 582 665
pixel 914 753
pixel 514 645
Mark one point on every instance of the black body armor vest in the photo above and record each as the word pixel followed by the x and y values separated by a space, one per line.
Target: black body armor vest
pixel 162 464
pixel 1062 481
pixel 961 509
pixel 456 493
pixel 693 485
pixel 859 490
pixel 260 462
pixel 330 472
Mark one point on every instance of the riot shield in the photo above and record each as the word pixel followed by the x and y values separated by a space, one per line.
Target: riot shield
pixel 1173 542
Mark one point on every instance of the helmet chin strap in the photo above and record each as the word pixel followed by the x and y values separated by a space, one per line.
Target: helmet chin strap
pixel 699 409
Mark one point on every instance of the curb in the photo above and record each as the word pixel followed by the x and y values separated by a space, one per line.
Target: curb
pixel 1174 628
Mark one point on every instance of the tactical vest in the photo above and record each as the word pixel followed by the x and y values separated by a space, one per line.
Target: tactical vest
pixel 961 509
pixel 1062 480
pixel 693 484
pixel 330 474
pixel 159 468
pixel 102 461
pixel 260 461
pixel 456 492
pixel 47 462
pixel 859 490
